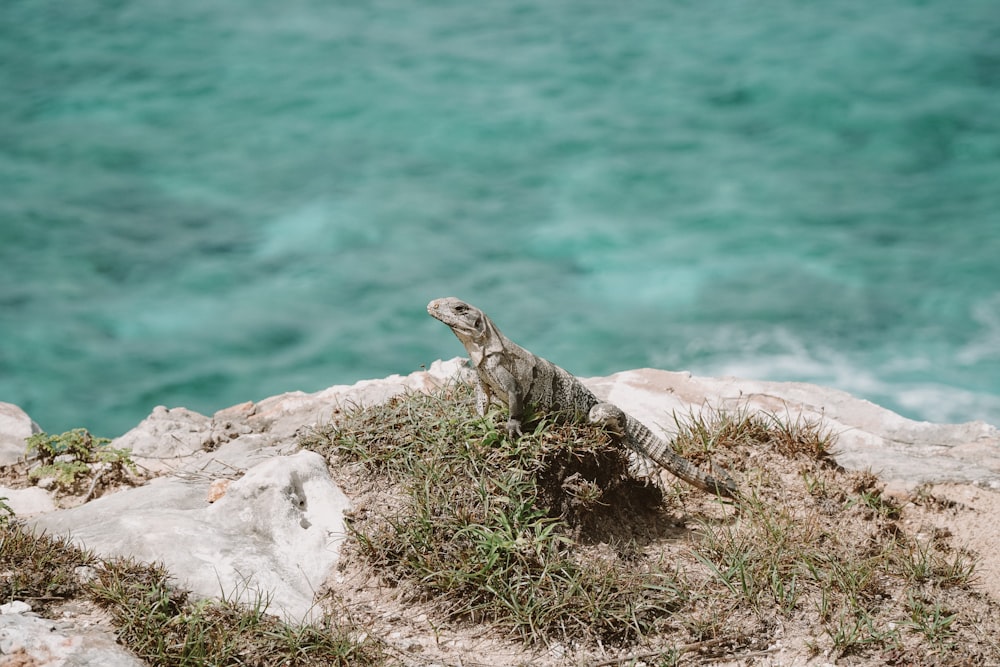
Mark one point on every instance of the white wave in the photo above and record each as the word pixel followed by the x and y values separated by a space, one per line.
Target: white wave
pixel 860 376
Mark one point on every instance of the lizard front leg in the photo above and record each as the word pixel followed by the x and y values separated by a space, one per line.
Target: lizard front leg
pixel 483 398
pixel 515 401
pixel 516 406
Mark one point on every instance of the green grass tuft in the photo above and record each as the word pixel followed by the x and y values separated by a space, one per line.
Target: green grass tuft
pixel 39 569
pixel 486 525
pixel 163 624
pixel 550 538
pixel 166 626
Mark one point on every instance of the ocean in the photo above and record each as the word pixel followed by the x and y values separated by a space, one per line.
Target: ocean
pixel 203 203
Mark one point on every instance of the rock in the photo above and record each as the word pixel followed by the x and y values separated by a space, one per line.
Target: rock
pixel 868 436
pixel 272 536
pixel 272 533
pixel 284 415
pixel 15 427
pixel 46 483
pixel 27 640
pixel 15 607
pixel 166 434
pixel 217 489
pixel 28 502
pixel 173 439
pixel 85 574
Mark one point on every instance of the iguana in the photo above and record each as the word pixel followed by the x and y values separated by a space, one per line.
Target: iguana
pixel 519 379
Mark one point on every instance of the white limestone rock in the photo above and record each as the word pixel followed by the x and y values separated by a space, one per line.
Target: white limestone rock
pixel 868 436
pixel 15 607
pixel 28 502
pixel 177 439
pixel 274 535
pixel 167 433
pixel 26 639
pixel 283 415
pixel 15 427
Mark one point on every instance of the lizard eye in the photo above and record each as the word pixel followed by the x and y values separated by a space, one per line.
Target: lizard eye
pixel 461 309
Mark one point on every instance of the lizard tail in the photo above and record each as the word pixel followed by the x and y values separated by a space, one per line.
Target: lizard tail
pixel 642 440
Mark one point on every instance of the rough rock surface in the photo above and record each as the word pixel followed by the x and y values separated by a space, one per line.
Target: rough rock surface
pixel 272 531
pixel 868 436
pixel 15 426
pixel 27 640
pixel 28 502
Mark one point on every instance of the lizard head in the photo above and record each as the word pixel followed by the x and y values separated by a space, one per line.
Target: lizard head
pixel 468 322
pixel 476 332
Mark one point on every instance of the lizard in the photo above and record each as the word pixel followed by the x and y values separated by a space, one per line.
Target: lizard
pixel 519 379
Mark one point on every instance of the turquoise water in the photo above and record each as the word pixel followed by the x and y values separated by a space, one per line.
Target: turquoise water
pixel 203 203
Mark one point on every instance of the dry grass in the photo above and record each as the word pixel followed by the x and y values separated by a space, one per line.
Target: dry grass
pixel 161 623
pixel 39 570
pixel 487 526
pixel 550 539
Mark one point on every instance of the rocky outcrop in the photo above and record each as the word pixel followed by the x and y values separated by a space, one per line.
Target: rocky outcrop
pixel 272 535
pixel 238 511
pixel 869 437
pixel 27 640
pixel 15 426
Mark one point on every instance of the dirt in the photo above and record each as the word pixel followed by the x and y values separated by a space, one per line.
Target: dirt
pixel 418 633
pixel 971 515
pixel 88 487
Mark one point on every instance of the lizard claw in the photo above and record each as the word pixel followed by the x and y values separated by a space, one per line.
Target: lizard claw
pixel 514 428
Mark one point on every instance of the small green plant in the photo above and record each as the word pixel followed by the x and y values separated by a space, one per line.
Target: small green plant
pixel 6 512
pixel 74 455
pixel 923 561
pixel 78 444
pixel 931 620
pixel 854 629
pixel 814 483
pixel 874 501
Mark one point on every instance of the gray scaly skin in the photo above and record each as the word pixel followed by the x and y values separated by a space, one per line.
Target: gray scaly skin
pixel 519 379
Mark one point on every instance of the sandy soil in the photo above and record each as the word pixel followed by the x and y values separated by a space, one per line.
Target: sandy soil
pixel 415 633
pixel 972 516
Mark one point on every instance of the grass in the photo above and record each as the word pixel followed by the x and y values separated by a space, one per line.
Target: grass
pixel 161 623
pixel 37 569
pixel 166 626
pixel 486 525
pixel 551 539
